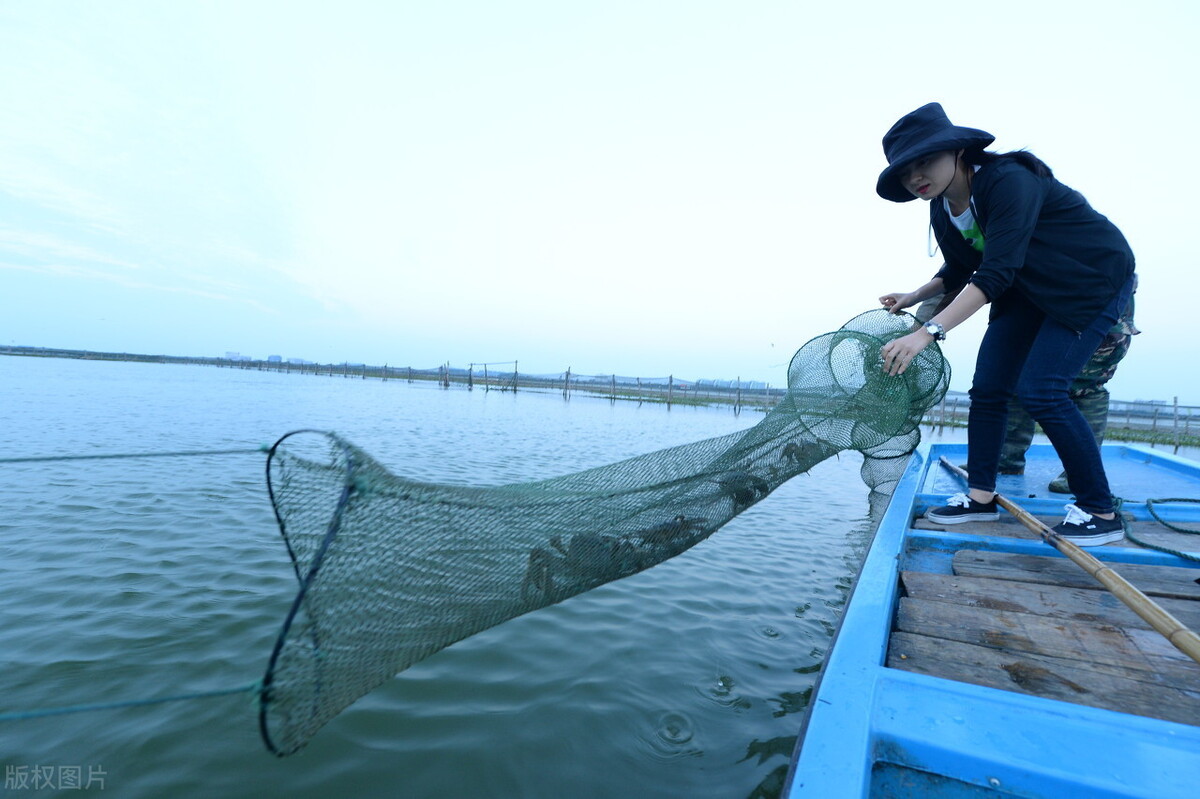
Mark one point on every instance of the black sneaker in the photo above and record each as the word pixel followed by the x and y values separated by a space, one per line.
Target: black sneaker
pixel 1085 530
pixel 961 508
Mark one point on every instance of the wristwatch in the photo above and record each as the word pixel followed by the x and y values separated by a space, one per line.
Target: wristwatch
pixel 936 330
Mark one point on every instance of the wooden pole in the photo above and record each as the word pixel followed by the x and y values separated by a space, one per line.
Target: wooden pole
pixel 1175 424
pixel 1171 628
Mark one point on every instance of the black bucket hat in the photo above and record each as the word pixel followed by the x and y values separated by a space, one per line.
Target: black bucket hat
pixel 924 131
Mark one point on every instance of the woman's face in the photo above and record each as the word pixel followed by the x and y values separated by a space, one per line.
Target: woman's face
pixel 929 175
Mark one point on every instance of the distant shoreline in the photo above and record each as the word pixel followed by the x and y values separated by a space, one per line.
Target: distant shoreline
pixel 1150 422
pixel 667 390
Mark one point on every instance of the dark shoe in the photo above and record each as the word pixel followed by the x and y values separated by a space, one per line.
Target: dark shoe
pixel 1085 530
pixel 961 508
pixel 1059 485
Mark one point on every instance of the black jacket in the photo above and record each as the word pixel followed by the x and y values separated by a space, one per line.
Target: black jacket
pixel 1041 238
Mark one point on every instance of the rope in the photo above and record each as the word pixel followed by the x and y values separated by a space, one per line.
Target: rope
pixel 1150 506
pixel 259 449
pixel 61 711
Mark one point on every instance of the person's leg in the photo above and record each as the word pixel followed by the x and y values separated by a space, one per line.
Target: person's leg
pixel 1001 356
pixel 1056 357
pixel 1018 436
pixel 1089 394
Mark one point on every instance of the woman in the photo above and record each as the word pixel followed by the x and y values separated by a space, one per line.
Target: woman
pixel 1057 275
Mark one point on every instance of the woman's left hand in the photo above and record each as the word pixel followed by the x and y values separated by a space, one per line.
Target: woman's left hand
pixel 899 352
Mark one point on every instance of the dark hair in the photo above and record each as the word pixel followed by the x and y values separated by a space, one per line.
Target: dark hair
pixel 1023 157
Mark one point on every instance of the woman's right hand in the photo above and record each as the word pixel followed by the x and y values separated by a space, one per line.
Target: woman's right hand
pixel 897 301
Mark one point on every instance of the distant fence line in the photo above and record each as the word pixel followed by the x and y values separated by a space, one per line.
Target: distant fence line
pixel 1140 420
pixel 506 376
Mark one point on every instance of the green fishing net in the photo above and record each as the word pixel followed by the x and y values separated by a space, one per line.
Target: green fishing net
pixel 393 570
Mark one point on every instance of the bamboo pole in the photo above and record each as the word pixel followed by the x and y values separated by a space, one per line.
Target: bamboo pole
pixel 1171 628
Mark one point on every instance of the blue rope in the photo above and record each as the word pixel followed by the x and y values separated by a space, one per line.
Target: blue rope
pixel 1168 525
pixel 259 449
pixel 61 711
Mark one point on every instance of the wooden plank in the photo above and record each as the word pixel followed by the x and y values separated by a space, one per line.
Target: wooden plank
pixel 1154 533
pixel 1006 526
pixel 1135 654
pixel 1039 675
pixel 1171 581
pixel 1043 599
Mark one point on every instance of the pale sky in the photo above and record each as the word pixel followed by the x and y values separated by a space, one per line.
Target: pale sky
pixel 645 188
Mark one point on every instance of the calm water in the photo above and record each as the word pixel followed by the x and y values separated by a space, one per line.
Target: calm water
pixel 131 579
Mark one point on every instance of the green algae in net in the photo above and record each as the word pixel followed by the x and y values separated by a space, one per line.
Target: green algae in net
pixel 392 570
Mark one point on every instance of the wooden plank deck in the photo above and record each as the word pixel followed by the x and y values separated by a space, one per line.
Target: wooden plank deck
pixel 1040 625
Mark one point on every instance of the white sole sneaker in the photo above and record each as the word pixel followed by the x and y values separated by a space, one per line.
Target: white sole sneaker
pixel 1094 540
pixel 961 519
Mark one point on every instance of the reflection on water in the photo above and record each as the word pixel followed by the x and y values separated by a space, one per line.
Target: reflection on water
pixel 129 579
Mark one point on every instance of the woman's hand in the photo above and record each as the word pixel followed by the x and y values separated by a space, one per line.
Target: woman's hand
pixel 899 352
pixel 898 301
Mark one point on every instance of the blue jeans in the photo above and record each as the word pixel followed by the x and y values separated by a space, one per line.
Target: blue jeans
pixel 1027 353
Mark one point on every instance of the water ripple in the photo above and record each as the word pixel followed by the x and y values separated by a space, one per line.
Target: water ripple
pixel 130 579
pixel 671 737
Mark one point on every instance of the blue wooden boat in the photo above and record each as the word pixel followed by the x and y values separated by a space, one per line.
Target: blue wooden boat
pixel 976 660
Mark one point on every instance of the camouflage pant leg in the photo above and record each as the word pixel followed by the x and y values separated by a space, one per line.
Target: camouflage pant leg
pixel 1017 438
pixel 1087 392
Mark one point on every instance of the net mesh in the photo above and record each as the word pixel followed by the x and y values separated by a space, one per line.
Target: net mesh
pixel 393 570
